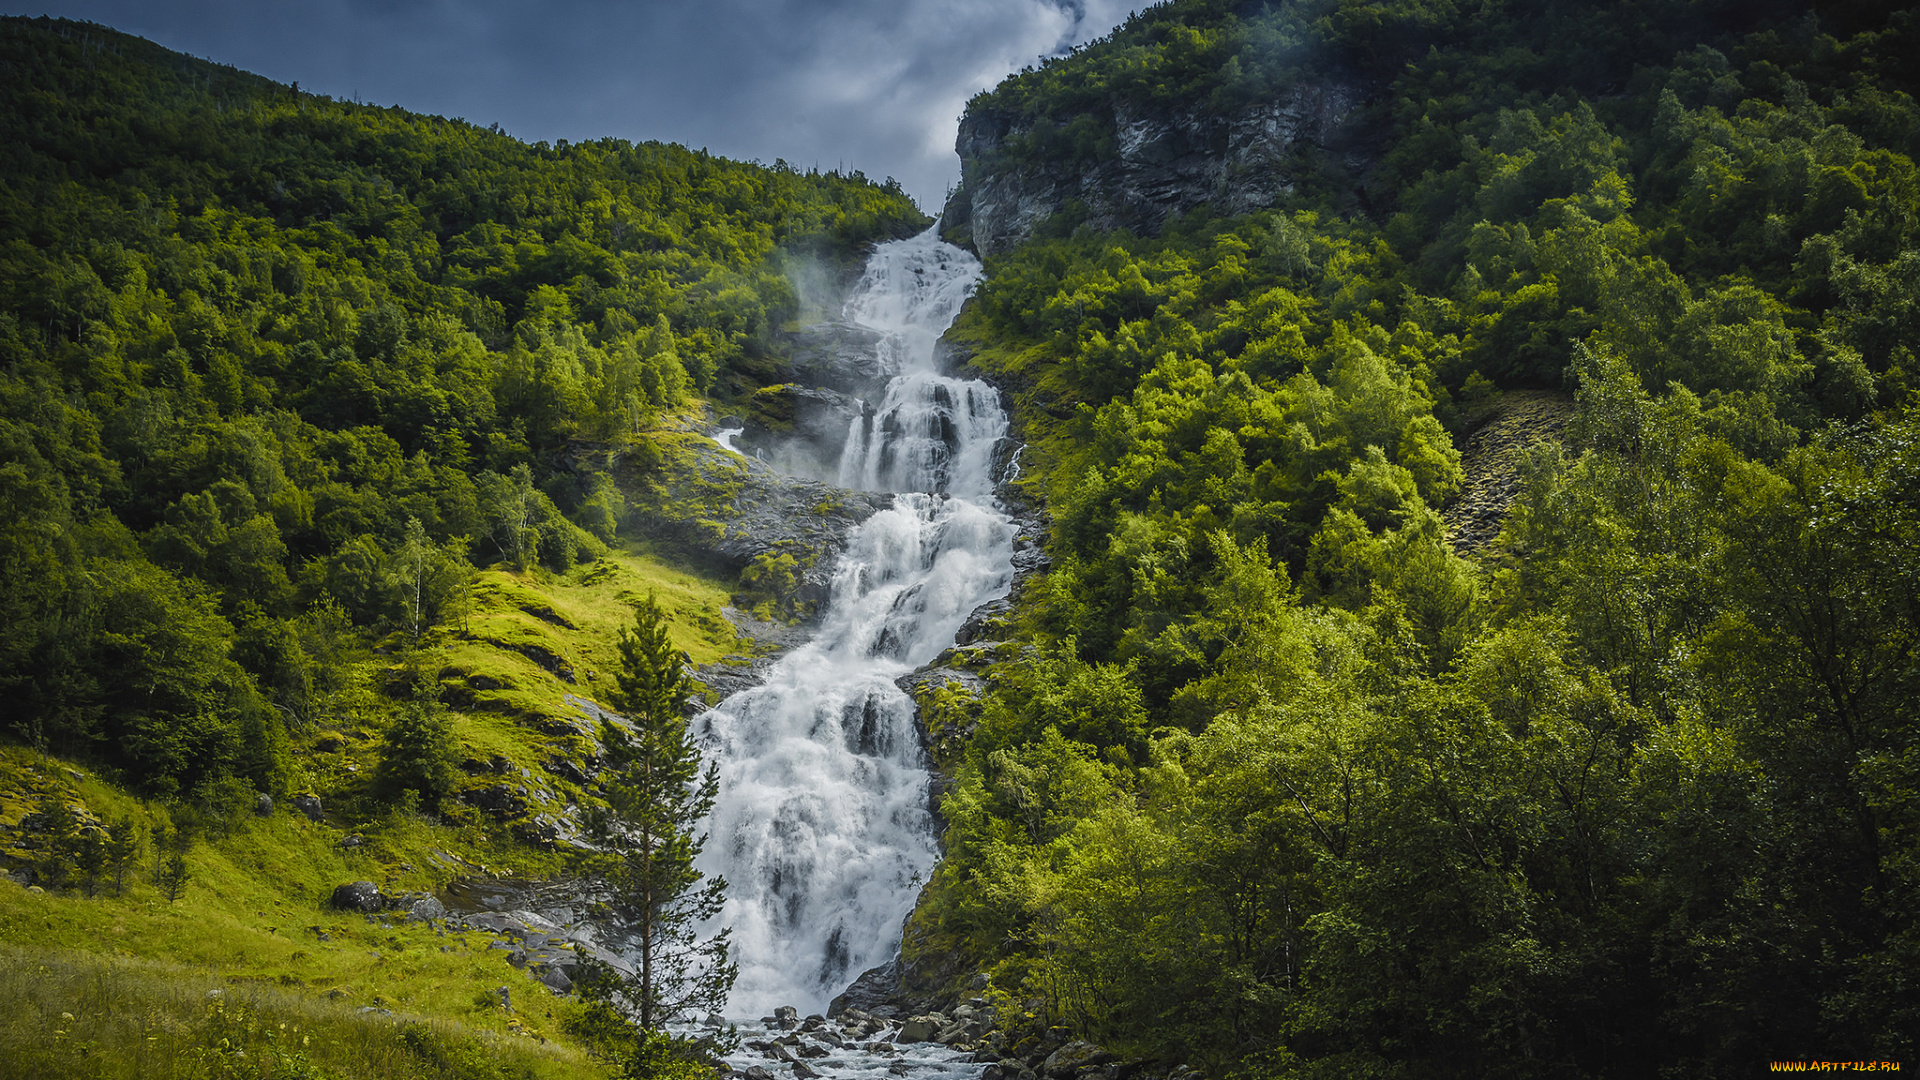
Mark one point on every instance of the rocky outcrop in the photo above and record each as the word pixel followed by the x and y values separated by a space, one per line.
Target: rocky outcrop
pixel 839 356
pixel 1518 420
pixel 729 510
pixel 799 430
pixel 1162 162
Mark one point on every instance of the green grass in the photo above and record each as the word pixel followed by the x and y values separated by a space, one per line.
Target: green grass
pixel 253 915
pixel 65 1013
pixel 134 970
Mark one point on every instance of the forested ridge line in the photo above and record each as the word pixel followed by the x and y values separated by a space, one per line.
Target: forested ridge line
pixel 1267 780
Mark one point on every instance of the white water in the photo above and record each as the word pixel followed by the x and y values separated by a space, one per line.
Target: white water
pixel 822 830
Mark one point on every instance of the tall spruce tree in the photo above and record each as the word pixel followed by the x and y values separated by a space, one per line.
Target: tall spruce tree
pixel 657 796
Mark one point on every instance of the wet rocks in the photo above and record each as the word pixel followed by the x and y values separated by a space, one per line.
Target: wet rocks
pixel 838 355
pixel 800 430
pixel 872 993
pixel 730 510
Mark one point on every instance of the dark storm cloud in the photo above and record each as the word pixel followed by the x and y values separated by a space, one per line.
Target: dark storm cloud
pixel 875 85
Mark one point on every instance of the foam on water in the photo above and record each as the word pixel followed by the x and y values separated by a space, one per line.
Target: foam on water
pixel 822 829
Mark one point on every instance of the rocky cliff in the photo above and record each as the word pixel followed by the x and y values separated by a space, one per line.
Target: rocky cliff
pixel 1157 162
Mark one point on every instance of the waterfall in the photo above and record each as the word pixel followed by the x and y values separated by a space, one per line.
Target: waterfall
pixel 822 830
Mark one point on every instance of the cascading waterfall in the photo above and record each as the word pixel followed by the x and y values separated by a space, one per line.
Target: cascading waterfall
pixel 823 830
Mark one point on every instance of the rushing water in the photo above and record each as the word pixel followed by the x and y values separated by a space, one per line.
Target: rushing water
pixel 823 830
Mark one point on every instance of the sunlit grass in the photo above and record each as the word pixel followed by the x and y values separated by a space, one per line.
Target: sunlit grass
pixel 68 1014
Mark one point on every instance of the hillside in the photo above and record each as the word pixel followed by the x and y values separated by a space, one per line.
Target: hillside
pixel 336 443
pixel 1324 750
pixel 1476 634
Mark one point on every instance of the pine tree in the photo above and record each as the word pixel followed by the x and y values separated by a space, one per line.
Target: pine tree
pixel 657 795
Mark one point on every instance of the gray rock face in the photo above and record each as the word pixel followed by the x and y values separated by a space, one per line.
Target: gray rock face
pixel 426 909
pixel 800 430
pixel 770 514
pixel 1165 162
pixel 871 993
pixel 837 355
pixel 361 896
pixel 263 805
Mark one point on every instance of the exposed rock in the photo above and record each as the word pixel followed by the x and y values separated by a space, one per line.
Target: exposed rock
pixel 1069 1059
pixel 758 1072
pixel 541 832
pixel 499 800
pixel 800 430
pixel 556 980
pixel 734 674
pixel 786 1017
pixel 730 510
pixel 872 993
pixel 263 805
pixel 1519 420
pixel 361 896
pixel 803 1071
pixel 920 1029
pixel 309 805
pixel 1164 162
pixel 426 909
pixel 566 769
pixel 838 355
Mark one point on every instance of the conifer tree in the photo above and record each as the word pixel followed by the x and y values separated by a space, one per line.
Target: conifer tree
pixel 657 795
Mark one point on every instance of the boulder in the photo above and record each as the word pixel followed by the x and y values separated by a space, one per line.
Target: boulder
pixel 786 1017
pixel 758 1072
pixel 1071 1058
pixel 361 896
pixel 803 1071
pixel 263 804
pixel 919 1029
pixel 556 980
pixel 310 806
pixel 426 909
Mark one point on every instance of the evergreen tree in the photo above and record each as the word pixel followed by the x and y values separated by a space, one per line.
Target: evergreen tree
pixel 171 871
pixel 418 753
pixel 656 796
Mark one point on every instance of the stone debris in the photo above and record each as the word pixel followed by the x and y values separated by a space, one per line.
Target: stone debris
pixel 1522 419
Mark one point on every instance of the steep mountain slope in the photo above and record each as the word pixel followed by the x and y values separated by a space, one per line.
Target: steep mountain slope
pixel 336 443
pixel 1263 777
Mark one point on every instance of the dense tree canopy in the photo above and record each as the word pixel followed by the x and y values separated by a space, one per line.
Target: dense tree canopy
pixel 1285 784
pixel 277 370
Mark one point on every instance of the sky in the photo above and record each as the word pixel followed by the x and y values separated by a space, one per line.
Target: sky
pixel 873 85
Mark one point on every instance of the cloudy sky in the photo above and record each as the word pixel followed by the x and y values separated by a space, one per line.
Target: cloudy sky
pixel 874 85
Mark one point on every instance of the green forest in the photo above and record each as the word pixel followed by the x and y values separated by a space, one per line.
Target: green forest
pixel 1269 778
pixel 1283 785
pixel 280 370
